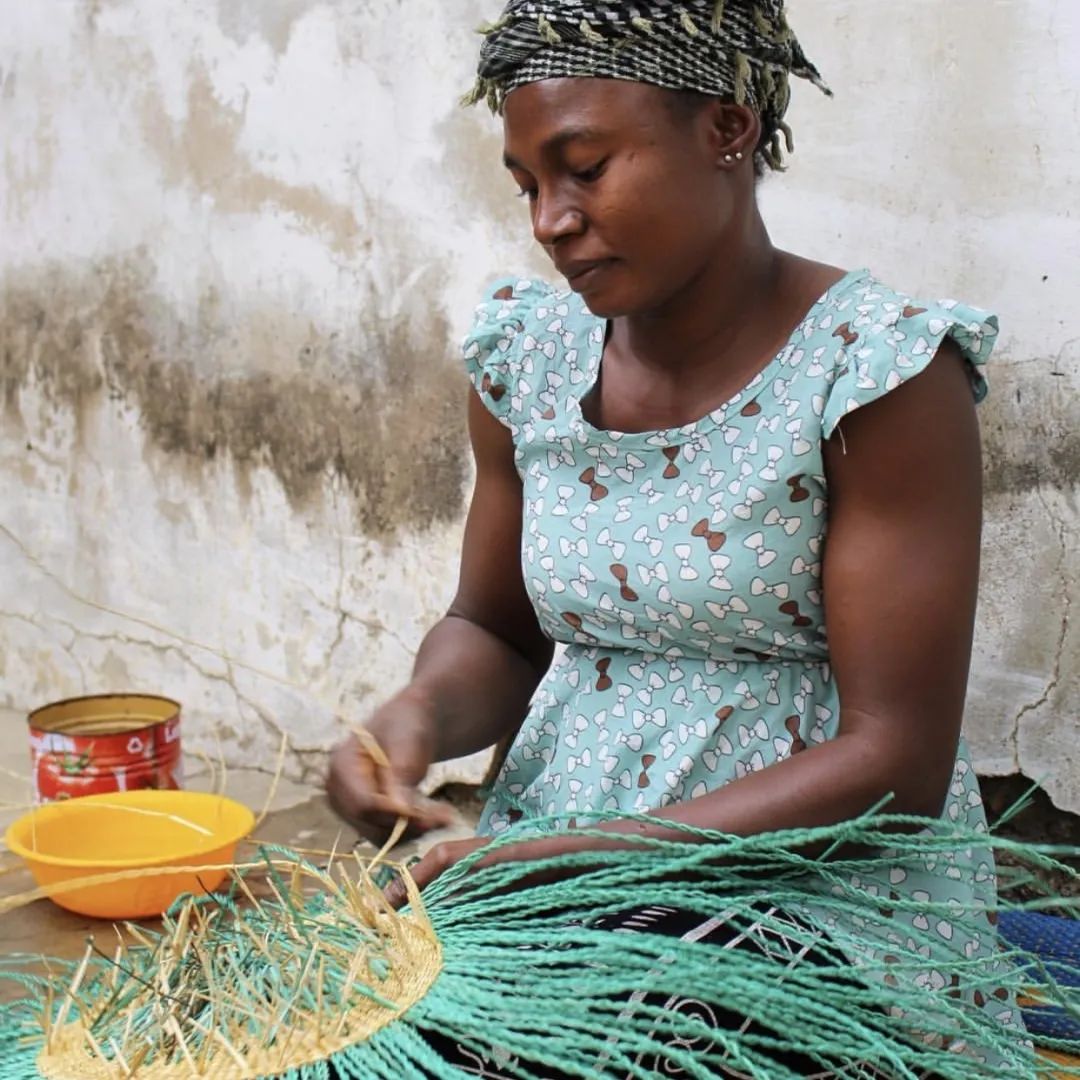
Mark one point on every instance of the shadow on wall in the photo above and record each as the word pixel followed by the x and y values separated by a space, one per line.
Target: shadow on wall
pixel 1031 425
pixel 377 406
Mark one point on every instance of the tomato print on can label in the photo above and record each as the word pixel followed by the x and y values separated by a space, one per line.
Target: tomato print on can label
pixel 95 745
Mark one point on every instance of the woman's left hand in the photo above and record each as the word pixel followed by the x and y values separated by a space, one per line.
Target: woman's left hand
pixel 444 855
pixel 437 861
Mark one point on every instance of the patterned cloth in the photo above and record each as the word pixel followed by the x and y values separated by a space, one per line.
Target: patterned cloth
pixel 742 51
pixel 683 46
pixel 1053 944
pixel 782 939
pixel 682 570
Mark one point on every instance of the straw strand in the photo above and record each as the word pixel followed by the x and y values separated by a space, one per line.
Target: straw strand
pixel 325 971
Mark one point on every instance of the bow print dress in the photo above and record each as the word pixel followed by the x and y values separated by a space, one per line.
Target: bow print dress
pixel 682 568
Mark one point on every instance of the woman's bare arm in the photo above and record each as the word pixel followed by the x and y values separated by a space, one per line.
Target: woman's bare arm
pixel 481 663
pixel 900 578
pixel 475 670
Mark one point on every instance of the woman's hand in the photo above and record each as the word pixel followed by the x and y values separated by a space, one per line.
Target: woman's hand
pixel 444 855
pixel 437 861
pixel 372 786
pixel 480 663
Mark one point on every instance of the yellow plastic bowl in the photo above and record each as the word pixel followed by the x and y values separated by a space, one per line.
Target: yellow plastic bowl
pixel 129 830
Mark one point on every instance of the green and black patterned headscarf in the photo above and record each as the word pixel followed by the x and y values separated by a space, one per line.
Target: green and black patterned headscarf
pixel 741 50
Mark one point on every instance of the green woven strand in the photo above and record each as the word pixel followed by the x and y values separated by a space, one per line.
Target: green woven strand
pixel 555 1008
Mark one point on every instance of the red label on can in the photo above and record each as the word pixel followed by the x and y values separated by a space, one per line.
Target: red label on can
pixel 78 755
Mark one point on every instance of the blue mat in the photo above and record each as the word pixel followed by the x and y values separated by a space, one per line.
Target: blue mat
pixel 1054 942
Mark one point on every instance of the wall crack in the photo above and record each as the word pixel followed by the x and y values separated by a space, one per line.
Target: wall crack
pixel 1063 632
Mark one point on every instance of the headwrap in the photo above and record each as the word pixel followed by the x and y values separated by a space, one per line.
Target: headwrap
pixel 741 50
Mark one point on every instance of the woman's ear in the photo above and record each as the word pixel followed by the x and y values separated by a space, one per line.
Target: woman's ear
pixel 734 132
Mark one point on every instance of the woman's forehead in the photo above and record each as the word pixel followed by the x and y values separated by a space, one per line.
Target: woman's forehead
pixel 587 91
pixel 554 112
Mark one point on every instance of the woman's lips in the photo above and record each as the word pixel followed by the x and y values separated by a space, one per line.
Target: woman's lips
pixel 584 272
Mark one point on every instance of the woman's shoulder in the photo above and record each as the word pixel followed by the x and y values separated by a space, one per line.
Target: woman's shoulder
pixel 517 302
pixel 522 328
pixel 873 307
pixel 878 337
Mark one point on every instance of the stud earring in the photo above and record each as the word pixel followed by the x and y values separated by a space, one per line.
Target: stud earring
pixel 728 159
pixel 739 156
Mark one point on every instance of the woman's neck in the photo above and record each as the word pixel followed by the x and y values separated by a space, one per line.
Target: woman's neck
pixel 711 313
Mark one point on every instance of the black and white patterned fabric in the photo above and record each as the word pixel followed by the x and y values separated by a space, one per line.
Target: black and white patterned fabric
pixel 742 50
pixel 780 936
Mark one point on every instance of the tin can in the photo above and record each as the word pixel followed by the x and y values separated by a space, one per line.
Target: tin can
pixel 103 743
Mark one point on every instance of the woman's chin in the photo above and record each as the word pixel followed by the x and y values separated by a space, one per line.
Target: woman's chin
pixel 611 297
pixel 605 303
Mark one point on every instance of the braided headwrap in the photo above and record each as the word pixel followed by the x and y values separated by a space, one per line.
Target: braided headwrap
pixel 741 50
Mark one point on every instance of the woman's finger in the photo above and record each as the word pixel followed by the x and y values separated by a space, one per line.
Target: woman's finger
pixel 375 787
pixel 394 792
pixel 432 813
pixel 437 861
pixel 423 873
pixel 367 787
pixel 401 799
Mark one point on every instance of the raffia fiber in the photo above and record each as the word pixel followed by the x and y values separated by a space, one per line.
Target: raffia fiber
pixel 524 969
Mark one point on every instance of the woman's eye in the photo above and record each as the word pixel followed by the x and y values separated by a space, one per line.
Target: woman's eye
pixel 586 176
pixel 527 193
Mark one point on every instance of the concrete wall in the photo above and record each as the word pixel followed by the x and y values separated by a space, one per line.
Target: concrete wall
pixel 241 237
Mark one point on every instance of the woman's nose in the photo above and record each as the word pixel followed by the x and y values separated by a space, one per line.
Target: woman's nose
pixel 555 218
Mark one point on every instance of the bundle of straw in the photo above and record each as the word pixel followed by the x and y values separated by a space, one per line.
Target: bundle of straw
pixel 307 973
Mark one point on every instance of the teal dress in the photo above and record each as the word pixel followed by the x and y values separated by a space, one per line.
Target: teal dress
pixel 681 569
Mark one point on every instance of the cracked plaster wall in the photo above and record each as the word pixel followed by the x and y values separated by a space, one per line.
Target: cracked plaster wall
pixel 240 238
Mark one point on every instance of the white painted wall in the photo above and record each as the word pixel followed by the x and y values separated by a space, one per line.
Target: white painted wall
pixel 240 238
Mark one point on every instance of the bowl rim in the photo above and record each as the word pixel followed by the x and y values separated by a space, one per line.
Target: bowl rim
pixel 217 842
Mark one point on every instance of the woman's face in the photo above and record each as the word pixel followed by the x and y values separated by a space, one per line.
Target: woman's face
pixel 626 192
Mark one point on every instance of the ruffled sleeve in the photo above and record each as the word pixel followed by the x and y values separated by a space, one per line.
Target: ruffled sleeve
pixel 492 349
pixel 892 339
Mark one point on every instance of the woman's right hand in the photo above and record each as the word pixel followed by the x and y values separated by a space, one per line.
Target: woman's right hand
pixel 372 791
pixel 476 669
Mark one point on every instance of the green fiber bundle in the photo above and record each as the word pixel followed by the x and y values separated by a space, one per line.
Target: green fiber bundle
pixel 525 974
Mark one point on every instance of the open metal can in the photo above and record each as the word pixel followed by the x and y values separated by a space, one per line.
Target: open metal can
pixel 104 743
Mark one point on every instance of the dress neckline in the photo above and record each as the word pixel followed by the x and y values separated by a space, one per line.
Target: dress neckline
pixel 596 336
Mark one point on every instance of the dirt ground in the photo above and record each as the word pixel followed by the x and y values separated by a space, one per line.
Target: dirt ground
pixel 1038 822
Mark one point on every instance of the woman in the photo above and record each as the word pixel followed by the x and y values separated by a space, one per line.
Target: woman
pixel 687 465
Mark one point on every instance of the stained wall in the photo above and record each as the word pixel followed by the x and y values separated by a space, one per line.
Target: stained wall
pixel 240 240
